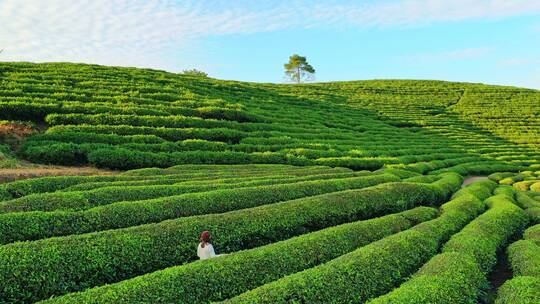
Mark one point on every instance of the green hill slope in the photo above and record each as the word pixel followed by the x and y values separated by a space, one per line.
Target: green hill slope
pixel 124 118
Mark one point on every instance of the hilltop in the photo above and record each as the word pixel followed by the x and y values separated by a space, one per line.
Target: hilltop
pixel 126 118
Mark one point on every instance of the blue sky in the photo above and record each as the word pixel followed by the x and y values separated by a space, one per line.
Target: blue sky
pixel 489 41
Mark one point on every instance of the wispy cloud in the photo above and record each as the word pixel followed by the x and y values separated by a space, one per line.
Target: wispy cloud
pixel 515 62
pixel 458 54
pixel 418 12
pixel 140 33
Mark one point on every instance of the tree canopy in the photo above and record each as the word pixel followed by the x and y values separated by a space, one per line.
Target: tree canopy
pixel 298 70
pixel 194 72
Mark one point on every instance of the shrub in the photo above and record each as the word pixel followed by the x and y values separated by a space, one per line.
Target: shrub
pixel 377 268
pixel 525 201
pixel 447 278
pixel 53 183
pixel 522 290
pixel 171 134
pixel 349 162
pixel 398 172
pixel 480 189
pixel 535 187
pixel 139 120
pixel 81 200
pixel 83 137
pixel 484 236
pixel 508 191
pixel 500 175
pixel 240 178
pixel 119 158
pixel 4 194
pixel 524 258
pixel 26 111
pixel 63 154
pixel 534 215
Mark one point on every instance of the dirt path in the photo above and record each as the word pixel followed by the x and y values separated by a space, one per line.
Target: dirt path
pixel 471 179
pixel 500 274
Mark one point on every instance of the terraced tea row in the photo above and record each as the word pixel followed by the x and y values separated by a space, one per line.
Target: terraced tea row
pixel 38 269
pixel 132 118
pixel 35 225
pixel 206 281
pixel 525 262
pixel 349 268
pixel 211 280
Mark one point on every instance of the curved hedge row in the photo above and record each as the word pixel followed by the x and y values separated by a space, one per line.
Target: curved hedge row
pixel 451 277
pixel 106 156
pixel 207 281
pixel 371 270
pixel 351 162
pixel 139 120
pixel 82 200
pixel 22 226
pixel 525 201
pixel 120 158
pixel 523 256
pixel 183 172
pixel 171 134
pixel 239 179
pixel 31 271
pixel 22 188
pixel 522 290
pixel 458 274
pixel 534 215
pixel 83 137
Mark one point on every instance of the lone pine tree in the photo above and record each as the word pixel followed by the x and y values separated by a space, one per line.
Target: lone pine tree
pixel 298 70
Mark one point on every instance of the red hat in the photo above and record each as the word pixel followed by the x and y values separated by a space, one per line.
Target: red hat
pixel 205 237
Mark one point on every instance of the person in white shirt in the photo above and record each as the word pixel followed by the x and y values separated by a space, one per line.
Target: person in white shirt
pixel 205 250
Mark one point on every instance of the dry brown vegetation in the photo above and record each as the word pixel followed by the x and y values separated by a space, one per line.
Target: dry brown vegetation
pixel 8 175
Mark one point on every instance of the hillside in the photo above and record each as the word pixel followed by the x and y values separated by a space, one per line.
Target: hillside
pixel 125 118
pixel 344 192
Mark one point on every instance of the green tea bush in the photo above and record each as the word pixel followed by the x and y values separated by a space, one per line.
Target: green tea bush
pixel 349 162
pixel 80 200
pixel 534 215
pixel 525 262
pixel 522 290
pixel 451 278
pixel 130 159
pixel 483 237
pixel 523 256
pixel 62 153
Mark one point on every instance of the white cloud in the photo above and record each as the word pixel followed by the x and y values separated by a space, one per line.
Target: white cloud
pixel 143 33
pixel 458 54
pixel 418 12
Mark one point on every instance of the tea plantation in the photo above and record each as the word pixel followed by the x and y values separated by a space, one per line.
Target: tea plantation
pixel 344 192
